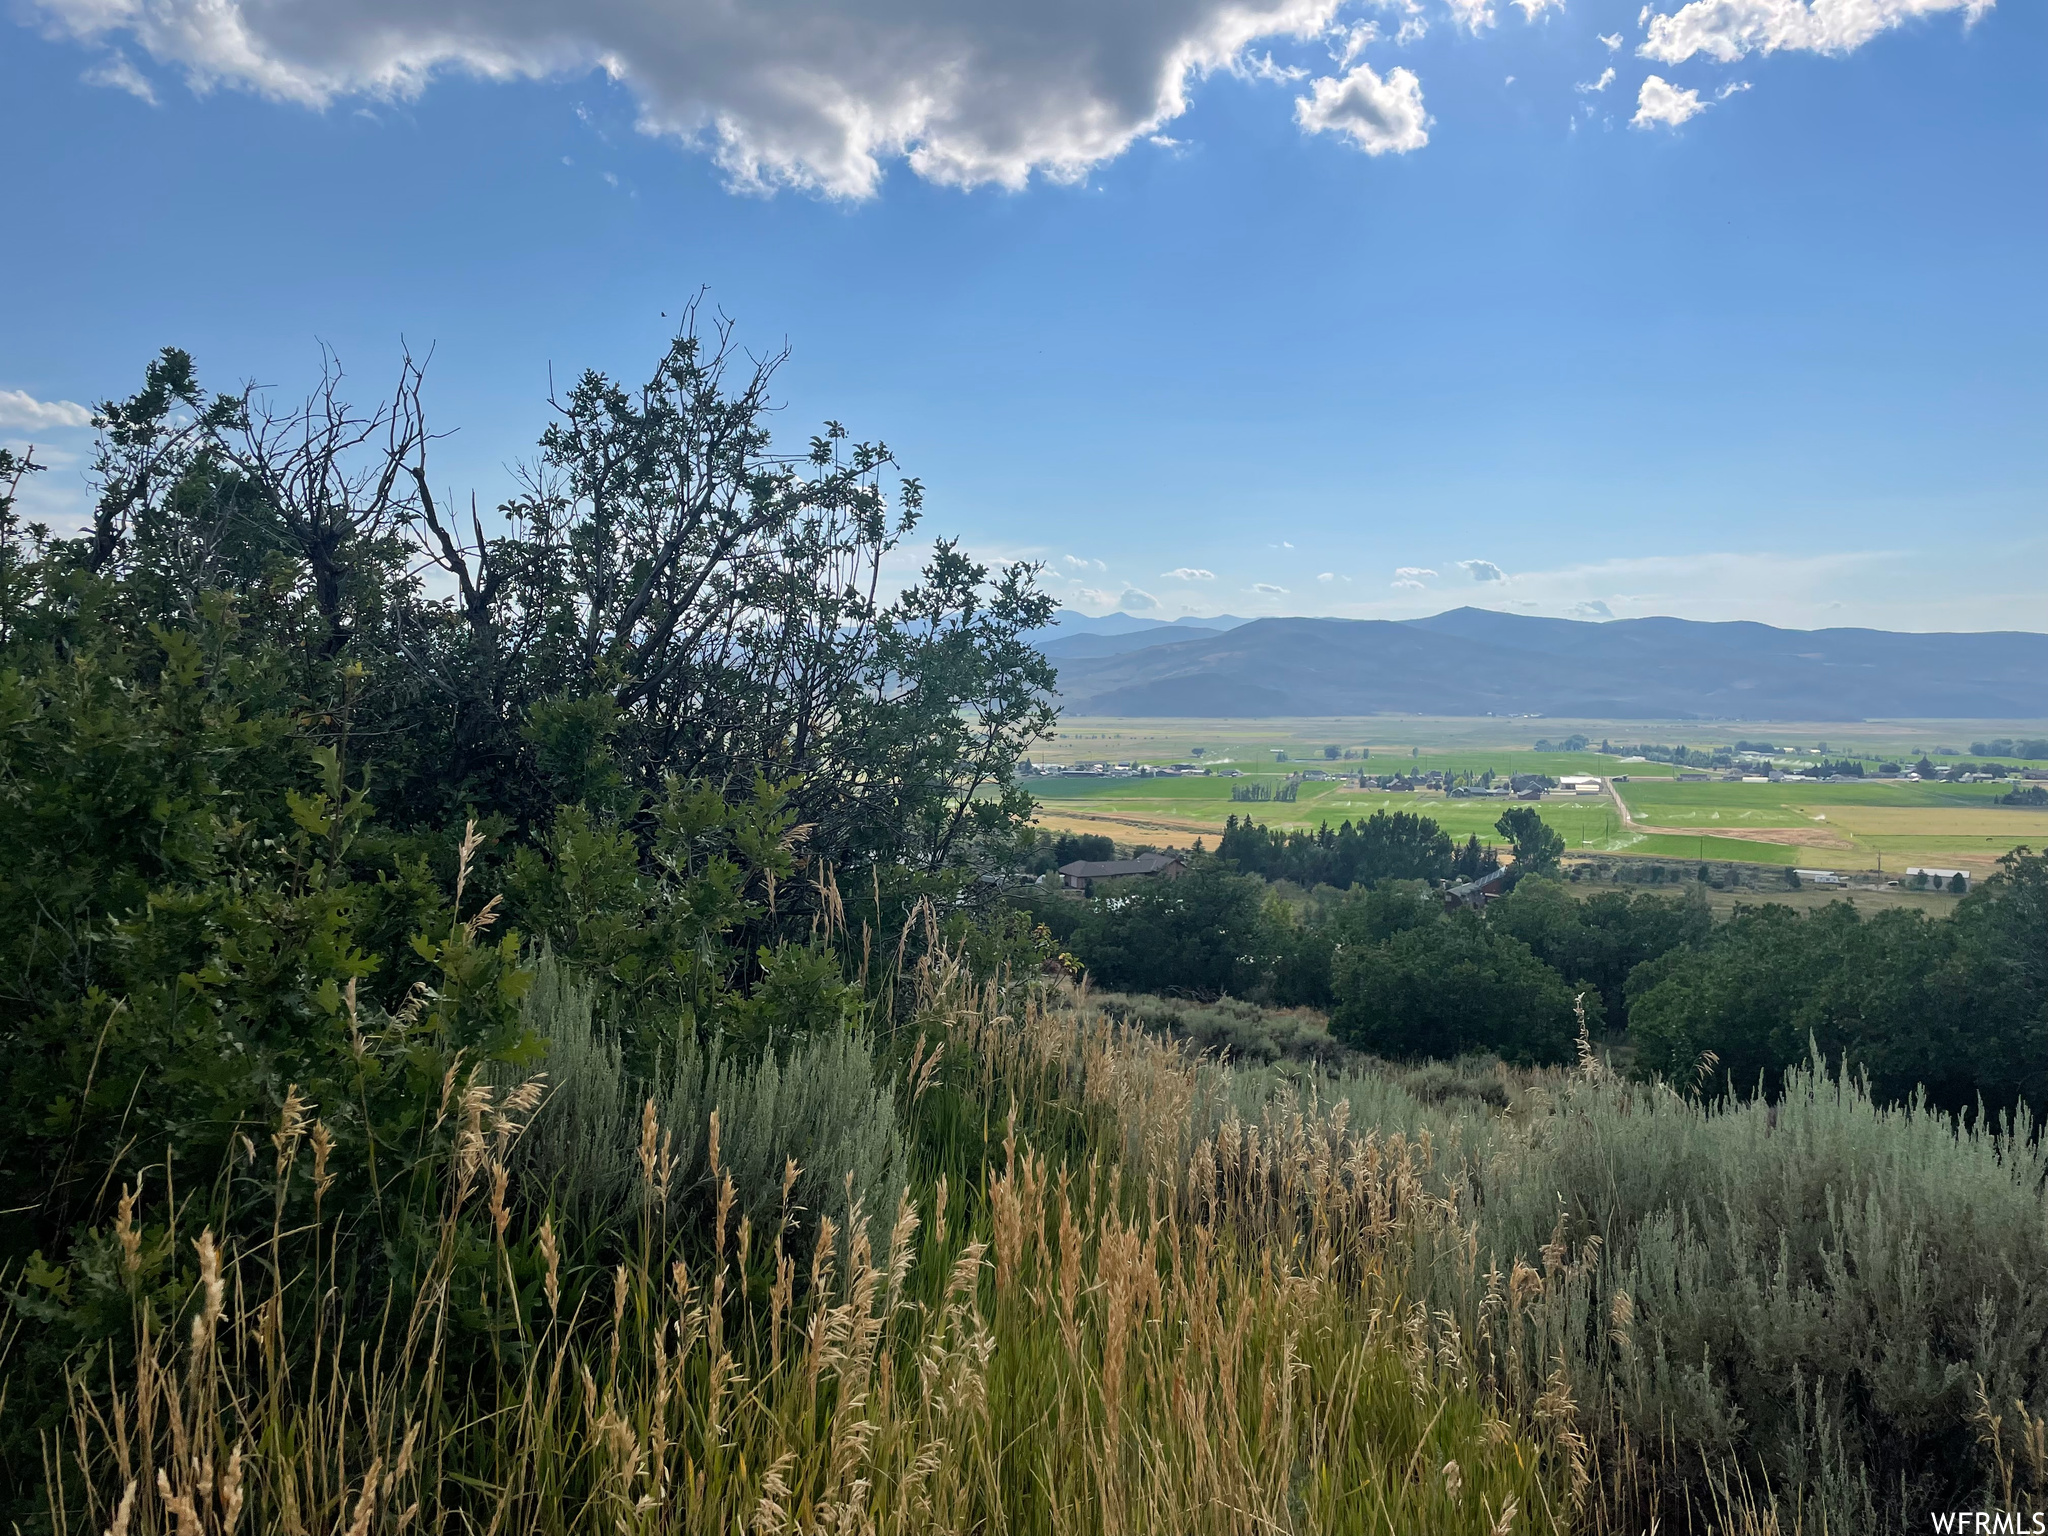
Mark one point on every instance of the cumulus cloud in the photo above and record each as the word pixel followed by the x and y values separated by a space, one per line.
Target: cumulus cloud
pixel 1611 39
pixel 1659 101
pixel 1606 79
pixel 1077 563
pixel 1407 583
pixel 1730 29
pixel 1134 597
pixel 1475 16
pixel 1482 570
pixel 805 93
pixel 1532 9
pixel 1268 587
pixel 1592 608
pixel 1380 115
pixel 1413 573
pixel 1188 573
pixel 19 408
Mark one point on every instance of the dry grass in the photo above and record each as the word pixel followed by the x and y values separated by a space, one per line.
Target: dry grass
pixel 1127 1291
pixel 1161 1332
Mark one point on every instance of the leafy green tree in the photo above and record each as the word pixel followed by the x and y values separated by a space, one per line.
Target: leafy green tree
pixel 670 595
pixel 1538 846
pixel 1473 860
pixel 198 915
pixel 1192 936
pixel 1600 940
pixel 1957 1006
pixel 1075 847
pixel 240 743
pixel 1448 986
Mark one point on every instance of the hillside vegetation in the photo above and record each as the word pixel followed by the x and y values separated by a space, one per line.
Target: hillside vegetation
pixel 558 1050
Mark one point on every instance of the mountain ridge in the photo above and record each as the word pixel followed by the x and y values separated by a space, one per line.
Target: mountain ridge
pixel 1474 661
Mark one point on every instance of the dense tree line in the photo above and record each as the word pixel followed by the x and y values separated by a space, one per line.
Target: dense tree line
pixel 1385 846
pixel 1957 1005
pixel 2034 747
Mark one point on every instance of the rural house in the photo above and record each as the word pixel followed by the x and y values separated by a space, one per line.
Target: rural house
pixel 1477 893
pixel 1081 875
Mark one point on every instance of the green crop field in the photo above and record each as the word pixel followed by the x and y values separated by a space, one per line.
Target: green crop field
pixel 1839 826
pixel 1855 826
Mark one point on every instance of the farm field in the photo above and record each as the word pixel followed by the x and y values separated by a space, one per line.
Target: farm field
pixel 1722 902
pixel 1245 741
pixel 1860 826
pixel 1171 812
pixel 1839 826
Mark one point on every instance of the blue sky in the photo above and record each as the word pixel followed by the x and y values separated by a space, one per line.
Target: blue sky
pixel 1282 306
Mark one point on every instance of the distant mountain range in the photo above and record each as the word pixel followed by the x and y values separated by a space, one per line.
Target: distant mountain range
pixel 1473 661
pixel 1077 637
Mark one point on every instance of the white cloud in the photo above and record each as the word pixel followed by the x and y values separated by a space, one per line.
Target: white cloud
pixel 1482 570
pixel 1592 608
pixel 1094 597
pixel 18 408
pixel 1606 79
pixel 1247 67
pixel 1413 30
pixel 1533 9
pixel 1327 576
pixel 1730 89
pixel 1269 588
pixel 1407 583
pixel 1730 29
pixel 1475 16
pixel 1355 40
pixel 1413 573
pixel 1611 39
pixel 118 74
pixel 1380 115
pixel 1188 573
pixel 1076 563
pixel 1133 597
pixel 805 93
pixel 1659 101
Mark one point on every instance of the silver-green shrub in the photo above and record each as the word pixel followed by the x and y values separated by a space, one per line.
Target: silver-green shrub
pixel 1814 1290
pixel 1230 1027
pixel 821 1102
